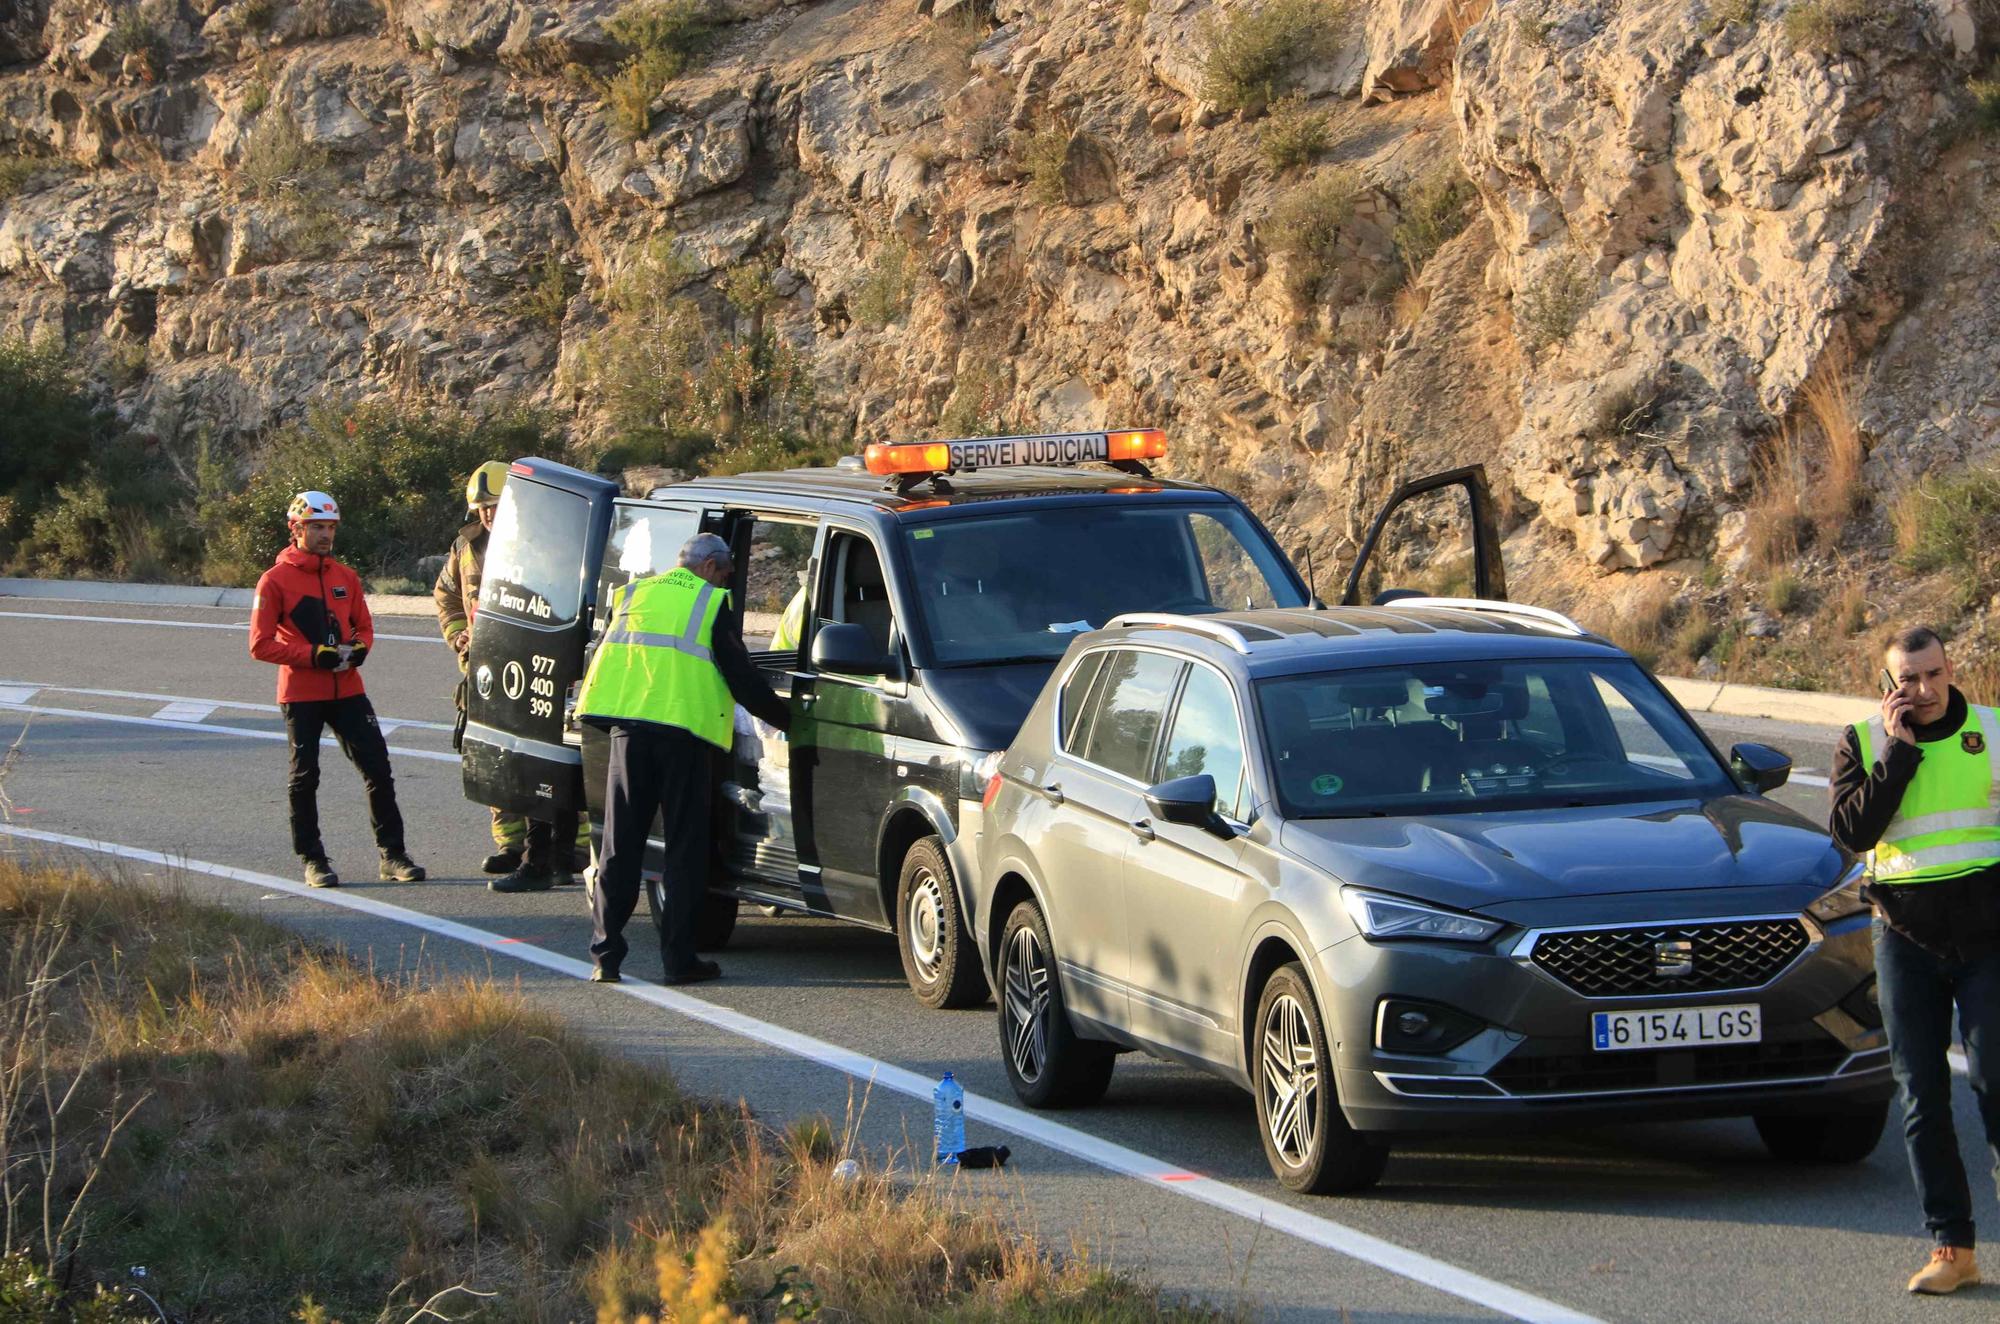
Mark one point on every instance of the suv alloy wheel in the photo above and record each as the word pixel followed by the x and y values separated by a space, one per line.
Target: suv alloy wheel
pixel 1307 1142
pixel 1048 1065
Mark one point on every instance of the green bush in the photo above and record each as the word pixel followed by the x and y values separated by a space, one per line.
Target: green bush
pixel 1305 226
pixel 1436 208
pixel 1252 54
pixel 397 471
pixel 1548 308
pixel 681 392
pixel 546 299
pixel 28 1295
pixel 886 292
pixel 1948 521
pixel 136 32
pixel 41 397
pixel 1985 100
pixel 1783 593
pixel 1294 134
pixel 664 38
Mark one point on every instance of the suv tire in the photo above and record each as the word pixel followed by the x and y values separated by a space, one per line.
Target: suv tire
pixel 939 960
pixel 1847 1136
pixel 1307 1141
pixel 714 921
pixel 1048 1064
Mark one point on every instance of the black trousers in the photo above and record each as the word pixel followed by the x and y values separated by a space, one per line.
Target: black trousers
pixel 549 841
pixel 663 770
pixel 352 721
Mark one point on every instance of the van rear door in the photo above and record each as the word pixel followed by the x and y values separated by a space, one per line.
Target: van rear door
pixel 528 637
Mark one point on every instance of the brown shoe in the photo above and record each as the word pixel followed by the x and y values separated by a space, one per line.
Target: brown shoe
pixel 1951 1268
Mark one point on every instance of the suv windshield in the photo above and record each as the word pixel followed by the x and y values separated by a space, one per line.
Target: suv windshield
pixel 1479 736
pixel 1019 586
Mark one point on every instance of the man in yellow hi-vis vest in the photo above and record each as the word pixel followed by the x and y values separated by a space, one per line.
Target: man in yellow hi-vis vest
pixel 1918 788
pixel 665 680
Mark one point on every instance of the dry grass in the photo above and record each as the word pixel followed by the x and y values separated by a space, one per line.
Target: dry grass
pixel 297 1123
pixel 1549 306
pixel 1809 484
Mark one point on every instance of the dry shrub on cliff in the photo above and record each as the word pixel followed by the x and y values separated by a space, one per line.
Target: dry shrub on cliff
pixel 277 164
pixel 1548 308
pixel 664 37
pixel 1830 25
pixel 890 286
pixel 1985 94
pixel 1434 210
pixel 18 172
pixel 1252 53
pixel 1294 134
pixel 1305 226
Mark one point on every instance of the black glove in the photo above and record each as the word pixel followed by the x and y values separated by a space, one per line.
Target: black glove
pixel 357 655
pixel 326 658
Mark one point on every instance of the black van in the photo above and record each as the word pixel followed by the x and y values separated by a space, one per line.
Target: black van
pixel 941 583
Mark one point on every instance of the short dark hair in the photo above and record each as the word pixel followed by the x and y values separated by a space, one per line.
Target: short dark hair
pixel 1912 639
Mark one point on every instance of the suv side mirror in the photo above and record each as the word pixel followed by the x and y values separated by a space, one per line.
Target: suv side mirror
pixel 1760 766
pixel 1189 801
pixel 847 649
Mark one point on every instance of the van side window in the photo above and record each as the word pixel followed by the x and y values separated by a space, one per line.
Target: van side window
pixel 854 590
pixel 645 540
pixel 1074 700
pixel 1134 695
pixel 771 566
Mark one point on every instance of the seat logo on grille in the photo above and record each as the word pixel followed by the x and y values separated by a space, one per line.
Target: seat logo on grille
pixel 1673 960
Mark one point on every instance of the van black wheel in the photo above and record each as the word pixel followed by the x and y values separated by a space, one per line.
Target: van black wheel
pixel 1848 1135
pixel 1048 1064
pixel 1307 1141
pixel 939 960
pixel 714 920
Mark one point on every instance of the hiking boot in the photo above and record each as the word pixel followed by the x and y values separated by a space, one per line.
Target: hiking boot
pixel 699 972
pixel 320 874
pixel 1951 1268
pixel 527 878
pixel 398 867
pixel 501 861
pixel 605 974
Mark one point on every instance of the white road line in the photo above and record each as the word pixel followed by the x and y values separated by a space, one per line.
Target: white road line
pixel 1261 1209
pixel 238 626
pixel 208 729
pixel 12 691
pixel 181 710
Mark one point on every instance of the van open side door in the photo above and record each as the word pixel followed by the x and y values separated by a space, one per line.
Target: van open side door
pixel 528 637
pixel 1445 543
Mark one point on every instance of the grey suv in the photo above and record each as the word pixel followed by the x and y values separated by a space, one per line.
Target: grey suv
pixel 1433 865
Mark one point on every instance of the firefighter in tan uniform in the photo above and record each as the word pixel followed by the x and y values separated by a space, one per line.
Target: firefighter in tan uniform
pixel 456 594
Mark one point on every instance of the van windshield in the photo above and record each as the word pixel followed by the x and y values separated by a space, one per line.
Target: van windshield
pixel 1018 587
pixel 1479 736
pixel 534 571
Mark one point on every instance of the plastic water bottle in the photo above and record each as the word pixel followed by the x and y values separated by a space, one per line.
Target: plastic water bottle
pixel 948 1119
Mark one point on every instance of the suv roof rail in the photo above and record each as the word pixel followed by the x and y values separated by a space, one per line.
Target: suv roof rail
pixel 1488 606
pixel 1213 629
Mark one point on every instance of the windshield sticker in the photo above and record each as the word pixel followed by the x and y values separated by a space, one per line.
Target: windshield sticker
pixel 923 533
pixel 1327 784
pixel 1069 627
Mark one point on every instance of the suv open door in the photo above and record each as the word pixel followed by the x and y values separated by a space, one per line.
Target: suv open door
pixel 528 637
pixel 1468 565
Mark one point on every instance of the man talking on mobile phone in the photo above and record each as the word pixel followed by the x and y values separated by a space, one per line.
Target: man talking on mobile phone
pixel 1917 788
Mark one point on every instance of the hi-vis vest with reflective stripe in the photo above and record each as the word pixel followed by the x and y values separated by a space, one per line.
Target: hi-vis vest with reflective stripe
pixel 1949 821
pixel 655 662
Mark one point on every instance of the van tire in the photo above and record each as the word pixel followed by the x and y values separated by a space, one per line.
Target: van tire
pixel 939 960
pixel 1319 1153
pixel 1063 1070
pixel 714 922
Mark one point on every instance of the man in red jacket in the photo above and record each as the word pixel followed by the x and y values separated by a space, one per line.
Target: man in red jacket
pixel 311 620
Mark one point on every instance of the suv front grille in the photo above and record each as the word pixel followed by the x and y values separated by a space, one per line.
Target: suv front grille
pixel 1672 1068
pixel 1609 963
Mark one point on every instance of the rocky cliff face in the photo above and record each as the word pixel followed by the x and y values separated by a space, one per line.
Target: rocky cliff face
pixel 1684 210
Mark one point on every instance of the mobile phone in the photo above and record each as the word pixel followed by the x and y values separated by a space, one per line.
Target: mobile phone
pixel 1889 685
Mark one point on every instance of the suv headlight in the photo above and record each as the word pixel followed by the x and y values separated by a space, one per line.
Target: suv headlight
pixel 1843 900
pixel 1380 916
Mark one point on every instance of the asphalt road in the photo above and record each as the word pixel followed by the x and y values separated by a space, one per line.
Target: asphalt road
pixel 1667 1222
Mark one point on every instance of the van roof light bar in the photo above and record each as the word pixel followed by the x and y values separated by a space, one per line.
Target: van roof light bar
pixel 1213 629
pixel 906 464
pixel 1489 607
